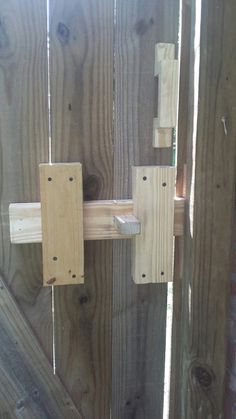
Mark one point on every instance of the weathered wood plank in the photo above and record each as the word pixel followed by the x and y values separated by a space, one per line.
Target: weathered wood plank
pixel 82 93
pixel 23 144
pixel 184 131
pixel 139 312
pixel 26 225
pixel 28 388
pixel 61 195
pixel 209 226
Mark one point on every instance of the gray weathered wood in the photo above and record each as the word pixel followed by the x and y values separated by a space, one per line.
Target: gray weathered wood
pixel 28 388
pixel 23 145
pixel 82 92
pixel 207 245
pixel 183 132
pixel 139 311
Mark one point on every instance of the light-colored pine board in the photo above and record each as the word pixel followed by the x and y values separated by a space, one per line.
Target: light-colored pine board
pixel 26 225
pixel 167 93
pixel 138 330
pixel 166 69
pixel 28 387
pixel 162 137
pixel 153 195
pixel 81 54
pixel 127 225
pixel 61 193
pixel 24 144
pixel 163 52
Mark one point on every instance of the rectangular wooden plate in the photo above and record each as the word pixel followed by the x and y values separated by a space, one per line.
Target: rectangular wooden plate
pixel 153 199
pixel 62 223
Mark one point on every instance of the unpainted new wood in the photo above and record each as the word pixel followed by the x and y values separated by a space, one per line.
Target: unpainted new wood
pixel 162 137
pixel 81 67
pixel 98 217
pixel 61 195
pixel 23 145
pixel 152 253
pixel 167 93
pixel 28 388
pixel 163 52
pixel 166 69
pixel 139 312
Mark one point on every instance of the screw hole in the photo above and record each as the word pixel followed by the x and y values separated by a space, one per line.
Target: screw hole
pixel 73 276
pixel 71 179
pixel 49 179
pixel 144 178
pixel 143 275
pixel 164 184
pixel 162 273
pixel 54 258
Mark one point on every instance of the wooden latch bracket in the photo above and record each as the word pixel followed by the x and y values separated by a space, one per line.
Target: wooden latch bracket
pixel 166 69
pixel 62 221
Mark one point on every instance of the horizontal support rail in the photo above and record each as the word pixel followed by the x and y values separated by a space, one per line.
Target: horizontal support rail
pixel 26 227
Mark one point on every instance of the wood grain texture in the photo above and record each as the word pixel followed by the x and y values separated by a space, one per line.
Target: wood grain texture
pixel 163 52
pixel 28 388
pixel 23 145
pixel 184 133
pixel 167 72
pixel 26 225
pixel 152 250
pixel 139 312
pixel 82 93
pixel 61 196
pixel 208 243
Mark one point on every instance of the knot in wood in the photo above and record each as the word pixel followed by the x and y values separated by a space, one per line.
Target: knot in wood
pixel 63 33
pixel 83 299
pixel 91 187
pixel 142 26
pixel 203 376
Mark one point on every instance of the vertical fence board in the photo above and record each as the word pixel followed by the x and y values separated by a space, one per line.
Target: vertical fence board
pixel 139 311
pixel 207 244
pixel 28 388
pixel 81 88
pixel 183 132
pixel 23 145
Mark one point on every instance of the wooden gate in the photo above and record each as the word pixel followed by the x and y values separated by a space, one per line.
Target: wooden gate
pixel 109 334
pixel 77 84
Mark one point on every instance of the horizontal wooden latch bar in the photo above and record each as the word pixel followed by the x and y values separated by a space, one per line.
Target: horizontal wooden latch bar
pixel 98 220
